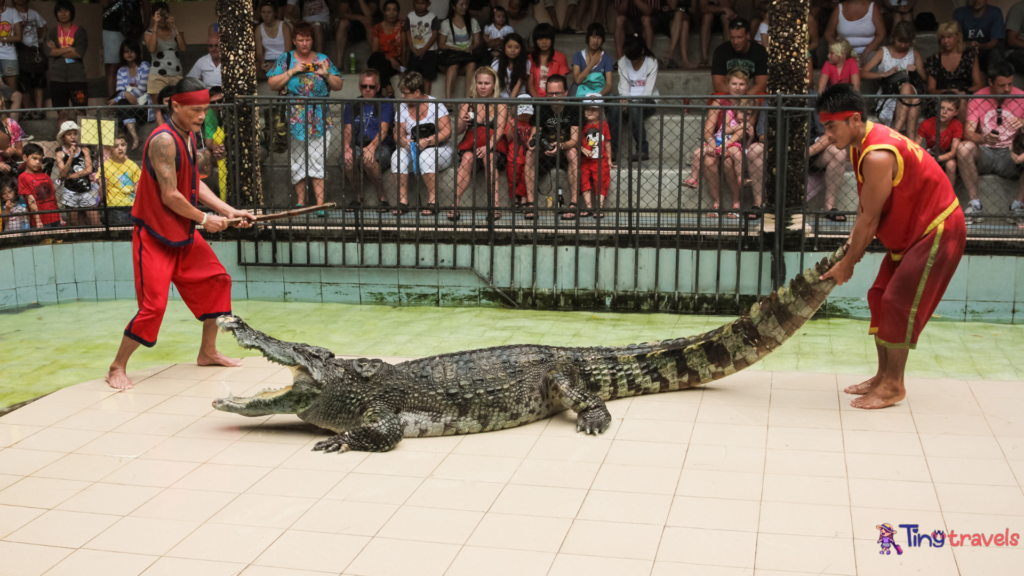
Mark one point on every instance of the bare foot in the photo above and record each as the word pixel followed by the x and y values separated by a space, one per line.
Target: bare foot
pixel 117 378
pixel 864 387
pixel 217 359
pixel 886 393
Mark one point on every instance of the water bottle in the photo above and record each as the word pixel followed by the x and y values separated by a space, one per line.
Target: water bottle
pixel 352 63
pixel 561 199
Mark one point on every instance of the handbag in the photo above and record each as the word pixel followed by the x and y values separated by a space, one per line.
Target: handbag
pixel 450 57
pixel 421 131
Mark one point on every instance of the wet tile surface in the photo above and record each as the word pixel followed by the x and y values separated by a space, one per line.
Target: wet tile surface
pixel 769 472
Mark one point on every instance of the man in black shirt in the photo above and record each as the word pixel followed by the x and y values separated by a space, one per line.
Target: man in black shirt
pixel 553 138
pixel 739 53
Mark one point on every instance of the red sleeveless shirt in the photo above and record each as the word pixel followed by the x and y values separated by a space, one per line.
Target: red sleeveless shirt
pixel 921 194
pixel 149 210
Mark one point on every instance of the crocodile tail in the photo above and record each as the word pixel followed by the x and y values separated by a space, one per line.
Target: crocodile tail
pixel 685 362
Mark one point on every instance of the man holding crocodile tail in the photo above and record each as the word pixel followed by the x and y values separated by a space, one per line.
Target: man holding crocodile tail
pixel 165 247
pixel 909 205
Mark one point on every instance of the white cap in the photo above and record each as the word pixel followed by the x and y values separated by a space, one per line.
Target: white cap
pixel 593 99
pixel 524 108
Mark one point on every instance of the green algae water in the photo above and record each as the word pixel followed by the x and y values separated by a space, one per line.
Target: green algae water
pixel 47 348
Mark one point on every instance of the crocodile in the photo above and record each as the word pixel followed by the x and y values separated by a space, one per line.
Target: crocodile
pixel 371 405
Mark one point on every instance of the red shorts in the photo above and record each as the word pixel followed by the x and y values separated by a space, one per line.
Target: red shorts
pixel 596 174
pixel 198 275
pixel 909 286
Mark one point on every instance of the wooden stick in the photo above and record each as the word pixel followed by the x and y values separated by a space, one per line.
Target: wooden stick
pixel 288 214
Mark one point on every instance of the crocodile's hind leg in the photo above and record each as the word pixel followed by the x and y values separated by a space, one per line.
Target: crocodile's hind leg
pixel 592 415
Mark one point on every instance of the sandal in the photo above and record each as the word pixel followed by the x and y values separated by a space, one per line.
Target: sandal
pixel 384 207
pixel 430 210
pixel 835 216
pixel 568 216
pixel 754 213
pixel 599 215
pixel 403 209
pixel 571 208
pixel 454 216
pixel 713 214
pixel 353 206
pixel 734 214
pixel 494 217
pixel 586 214
pixel 528 212
pixel 690 183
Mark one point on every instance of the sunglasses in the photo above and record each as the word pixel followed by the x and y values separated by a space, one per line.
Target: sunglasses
pixel 367 87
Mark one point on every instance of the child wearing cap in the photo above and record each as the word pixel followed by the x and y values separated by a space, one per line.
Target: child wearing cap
pixel 596 152
pixel 518 133
pixel 74 165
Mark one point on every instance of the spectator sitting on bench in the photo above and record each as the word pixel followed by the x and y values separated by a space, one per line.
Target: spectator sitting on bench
pixel 727 136
pixel 988 134
pixel 724 10
pixel 368 142
pixel 354 24
pixel 951 131
pixel 983 29
pixel 739 53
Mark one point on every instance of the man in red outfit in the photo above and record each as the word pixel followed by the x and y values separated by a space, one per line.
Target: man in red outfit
pixel 906 202
pixel 165 247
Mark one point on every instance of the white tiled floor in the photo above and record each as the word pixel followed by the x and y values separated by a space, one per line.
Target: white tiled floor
pixel 764 473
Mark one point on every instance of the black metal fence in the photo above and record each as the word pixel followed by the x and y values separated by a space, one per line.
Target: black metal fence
pixel 680 175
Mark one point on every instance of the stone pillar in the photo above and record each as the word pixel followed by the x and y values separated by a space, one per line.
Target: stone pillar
pixel 238 74
pixel 787 62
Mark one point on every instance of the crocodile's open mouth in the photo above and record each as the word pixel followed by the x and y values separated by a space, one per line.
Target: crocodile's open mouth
pixel 292 399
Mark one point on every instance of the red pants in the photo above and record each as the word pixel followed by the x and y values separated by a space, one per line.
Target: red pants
pixel 596 174
pixel 516 172
pixel 909 287
pixel 198 275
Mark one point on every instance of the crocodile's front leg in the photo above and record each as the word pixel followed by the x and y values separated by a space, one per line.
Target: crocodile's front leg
pixel 380 431
pixel 592 415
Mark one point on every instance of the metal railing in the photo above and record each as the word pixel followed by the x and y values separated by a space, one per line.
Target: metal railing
pixel 677 198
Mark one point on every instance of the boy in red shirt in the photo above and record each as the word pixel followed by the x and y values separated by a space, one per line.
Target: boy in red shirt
pixel 596 151
pixel 950 133
pixel 38 190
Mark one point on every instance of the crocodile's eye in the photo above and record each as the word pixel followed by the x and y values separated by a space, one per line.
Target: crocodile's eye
pixel 365 367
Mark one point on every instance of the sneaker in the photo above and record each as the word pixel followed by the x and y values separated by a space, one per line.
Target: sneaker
pixel 973 212
pixel 1017 213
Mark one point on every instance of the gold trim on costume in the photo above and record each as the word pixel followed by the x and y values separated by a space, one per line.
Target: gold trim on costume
pixel 924 280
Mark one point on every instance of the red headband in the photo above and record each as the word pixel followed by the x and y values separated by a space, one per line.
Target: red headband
pixel 835 116
pixel 194 98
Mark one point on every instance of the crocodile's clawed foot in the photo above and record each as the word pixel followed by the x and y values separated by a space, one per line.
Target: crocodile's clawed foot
pixel 335 444
pixel 594 421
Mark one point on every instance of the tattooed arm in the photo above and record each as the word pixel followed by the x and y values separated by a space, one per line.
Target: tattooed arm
pixel 161 158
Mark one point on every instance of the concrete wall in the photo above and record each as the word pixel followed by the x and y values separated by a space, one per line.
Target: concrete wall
pixel 985 288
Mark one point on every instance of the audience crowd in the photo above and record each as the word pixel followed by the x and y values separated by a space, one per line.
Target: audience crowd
pixel 503 52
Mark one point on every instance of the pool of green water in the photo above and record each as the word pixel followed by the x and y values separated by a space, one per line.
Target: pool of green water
pixel 47 348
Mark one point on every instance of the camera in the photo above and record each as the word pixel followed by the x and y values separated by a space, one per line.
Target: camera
pixel 310 68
